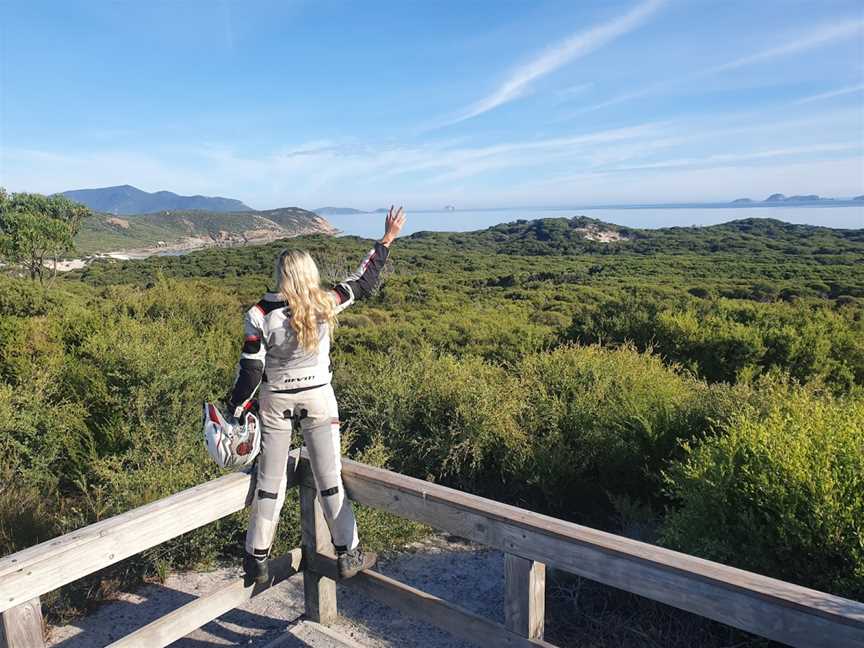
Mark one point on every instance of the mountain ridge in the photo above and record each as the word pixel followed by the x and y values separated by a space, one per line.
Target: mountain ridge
pixel 127 200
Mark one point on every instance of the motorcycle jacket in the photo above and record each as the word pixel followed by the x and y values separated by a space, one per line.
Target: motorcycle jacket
pixel 271 352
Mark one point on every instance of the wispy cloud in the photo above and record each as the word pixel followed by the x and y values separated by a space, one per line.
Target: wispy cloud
pixel 576 46
pixel 720 182
pixel 723 159
pixel 577 89
pixel 229 30
pixel 359 172
pixel 468 162
pixel 824 35
pixel 833 93
pixel 820 37
pixel 307 172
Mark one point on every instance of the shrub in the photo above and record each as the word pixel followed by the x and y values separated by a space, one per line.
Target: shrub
pixel 22 298
pixel 701 292
pixel 551 318
pixel 441 418
pixel 604 421
pixel 780 493
pixel 725 340
pixel 356 320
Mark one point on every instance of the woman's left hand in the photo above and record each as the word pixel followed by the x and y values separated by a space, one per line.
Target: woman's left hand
pixel 393 225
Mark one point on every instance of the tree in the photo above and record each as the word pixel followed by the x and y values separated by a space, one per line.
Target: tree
pixel 36 228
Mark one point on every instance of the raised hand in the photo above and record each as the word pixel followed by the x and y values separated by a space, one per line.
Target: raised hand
pixel 393 225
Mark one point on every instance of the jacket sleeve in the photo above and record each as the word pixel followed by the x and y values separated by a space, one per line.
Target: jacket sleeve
pixel 250 368
pixel 364 280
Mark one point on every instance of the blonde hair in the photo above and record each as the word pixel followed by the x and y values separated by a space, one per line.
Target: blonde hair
pixel 299 283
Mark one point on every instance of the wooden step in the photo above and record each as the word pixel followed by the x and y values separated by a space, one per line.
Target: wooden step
pixel 308 634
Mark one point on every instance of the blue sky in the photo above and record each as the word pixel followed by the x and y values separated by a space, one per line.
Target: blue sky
pixel 477 104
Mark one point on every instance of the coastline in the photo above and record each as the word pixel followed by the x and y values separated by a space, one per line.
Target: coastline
pixel 186 245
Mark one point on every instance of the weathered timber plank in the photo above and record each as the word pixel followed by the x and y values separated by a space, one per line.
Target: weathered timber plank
pixel 61 561
pixel 765 606
pixel 53 548
pixel 21 626
pixel 49 565
pixel 524 596
pixel 450 617
pixel 193 615
pixel 319 591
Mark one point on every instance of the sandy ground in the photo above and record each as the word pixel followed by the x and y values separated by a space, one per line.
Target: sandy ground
pixel 66 266
pixel 594 233
pixel 77 264
pixel 466 574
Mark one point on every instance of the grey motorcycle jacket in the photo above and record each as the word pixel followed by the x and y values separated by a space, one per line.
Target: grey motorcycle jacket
pixel 271 352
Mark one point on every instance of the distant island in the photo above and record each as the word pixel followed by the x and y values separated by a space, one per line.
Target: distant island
pixel 782 199
pixel 128 200
pixel 774 200
pixel 338 211
pixel 347 211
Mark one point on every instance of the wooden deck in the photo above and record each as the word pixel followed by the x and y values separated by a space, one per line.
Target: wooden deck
pixel 531 542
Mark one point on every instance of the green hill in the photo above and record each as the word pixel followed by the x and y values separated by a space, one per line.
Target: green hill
pixel 107 233
pixel 578 235
pixel 757 259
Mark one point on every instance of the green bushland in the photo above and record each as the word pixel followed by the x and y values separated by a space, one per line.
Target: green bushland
pixel 781 493
pixel 727 340
pixel 604 422
pixel 568 383
pixel 565 430
pixel 101 407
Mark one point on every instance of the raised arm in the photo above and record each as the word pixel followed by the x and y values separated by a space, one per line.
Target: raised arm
pixel 363 281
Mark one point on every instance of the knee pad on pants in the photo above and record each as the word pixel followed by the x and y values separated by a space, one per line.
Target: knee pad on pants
pixel 322 442
pixel 264 515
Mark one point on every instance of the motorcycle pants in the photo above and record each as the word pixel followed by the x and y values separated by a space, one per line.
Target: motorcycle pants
pixel 318 415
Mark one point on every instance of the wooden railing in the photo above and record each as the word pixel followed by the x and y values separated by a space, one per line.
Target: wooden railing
pixel 531 542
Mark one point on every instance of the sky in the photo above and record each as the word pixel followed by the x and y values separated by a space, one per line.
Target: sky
pixel 430 103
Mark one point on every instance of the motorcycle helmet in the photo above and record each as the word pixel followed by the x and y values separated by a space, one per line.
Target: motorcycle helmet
pixel 231 445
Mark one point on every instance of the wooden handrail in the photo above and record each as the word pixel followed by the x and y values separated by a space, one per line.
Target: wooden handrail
pixel 764 606
pixel 45 567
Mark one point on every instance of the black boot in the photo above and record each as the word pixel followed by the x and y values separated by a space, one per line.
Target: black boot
pixel 256 568
pixel 355 560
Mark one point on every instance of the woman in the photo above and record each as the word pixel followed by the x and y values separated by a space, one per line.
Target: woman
pixel 287 351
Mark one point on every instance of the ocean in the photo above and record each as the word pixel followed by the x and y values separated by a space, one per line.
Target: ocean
pixel 372 225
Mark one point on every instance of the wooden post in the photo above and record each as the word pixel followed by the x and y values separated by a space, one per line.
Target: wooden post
pixel 319 591
pixel 524 596
pixel 21 626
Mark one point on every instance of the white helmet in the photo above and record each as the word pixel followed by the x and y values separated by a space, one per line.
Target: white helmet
pixel 231 445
